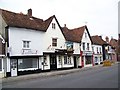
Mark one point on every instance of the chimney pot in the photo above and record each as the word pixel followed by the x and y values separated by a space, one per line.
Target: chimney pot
pixel 64 25
pixel 30 12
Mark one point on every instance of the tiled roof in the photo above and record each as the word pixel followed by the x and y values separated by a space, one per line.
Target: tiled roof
pixel 98 40
pixel 74 35
pixel 24 21
pixel 113 43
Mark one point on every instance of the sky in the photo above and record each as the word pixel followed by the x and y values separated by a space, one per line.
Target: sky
pixel 100 16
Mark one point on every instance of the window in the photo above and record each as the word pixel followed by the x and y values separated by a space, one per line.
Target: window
pixel 53 25
pixel 96 59
pixel 54 42
pixel 83 46
pixel 65 59
pixel 60 60
pixel 100 51
pixel 93 49
pixel 88 46
pixel 27 63
pixel 97 50
pixel 0 64
pixel 45 60
pixel 26 44
pixel 69 60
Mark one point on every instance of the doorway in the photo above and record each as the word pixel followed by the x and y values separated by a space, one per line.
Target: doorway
pixel 13 63
pixel 75 62
pixel 53 62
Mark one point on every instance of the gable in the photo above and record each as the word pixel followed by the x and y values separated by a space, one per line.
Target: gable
pixel 57 32
pixel 86 36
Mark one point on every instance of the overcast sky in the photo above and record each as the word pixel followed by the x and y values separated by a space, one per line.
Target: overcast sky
pixel 101 16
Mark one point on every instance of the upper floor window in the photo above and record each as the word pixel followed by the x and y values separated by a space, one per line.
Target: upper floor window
pixel 54 42
pixel 100 50
pixel 92 48
pixel 88 47
pixel 97 50
pixel 53 25
pixel 85 35
pixel 26 44
pixel 83 46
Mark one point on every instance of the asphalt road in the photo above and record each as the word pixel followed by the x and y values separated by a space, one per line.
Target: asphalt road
pixel 102 77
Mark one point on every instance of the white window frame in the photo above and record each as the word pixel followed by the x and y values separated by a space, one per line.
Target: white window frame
pixel 53 25
pixel 26 44
pixel 54 44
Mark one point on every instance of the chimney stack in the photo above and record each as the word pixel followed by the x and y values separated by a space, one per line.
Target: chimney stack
pixel 107 39
pixel 30 12
pixel 64 25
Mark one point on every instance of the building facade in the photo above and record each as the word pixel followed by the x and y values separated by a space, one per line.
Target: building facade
pixel 81 43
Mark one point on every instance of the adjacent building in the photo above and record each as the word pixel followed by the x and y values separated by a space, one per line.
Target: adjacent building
pixel 79 40
pixel 98 44
pixel 33 44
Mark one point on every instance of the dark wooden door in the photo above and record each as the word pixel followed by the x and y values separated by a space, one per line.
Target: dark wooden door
pixel 53 62
pixel 75 62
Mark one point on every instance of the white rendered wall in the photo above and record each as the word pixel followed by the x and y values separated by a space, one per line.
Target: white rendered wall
pixel 86 40
pixel 18 35
pixel 76 47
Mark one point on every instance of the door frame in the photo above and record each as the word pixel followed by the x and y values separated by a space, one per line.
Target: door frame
pixel 75 62
pixel 12 66
pixel 53 57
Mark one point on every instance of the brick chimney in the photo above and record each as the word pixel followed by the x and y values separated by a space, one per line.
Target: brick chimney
pixel 107 39
pixel 29 12
pixel 64 25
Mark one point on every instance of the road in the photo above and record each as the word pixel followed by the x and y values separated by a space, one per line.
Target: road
pixel 98 77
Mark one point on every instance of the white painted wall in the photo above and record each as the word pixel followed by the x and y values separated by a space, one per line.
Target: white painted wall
pixel 95 49
pixel 39 40
pixel 86 40
pixel 76 47
pixel 97 54
pixel 16 37
pixel 54 33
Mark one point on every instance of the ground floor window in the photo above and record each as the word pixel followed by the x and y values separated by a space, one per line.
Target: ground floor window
pixel 88 59
pixel 67 60
pixel 96 59
pixel 27 63
pixel 0 64
pixel 60 60
pixel 45 60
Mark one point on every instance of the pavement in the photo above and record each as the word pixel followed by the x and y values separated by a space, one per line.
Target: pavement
pixel 46 74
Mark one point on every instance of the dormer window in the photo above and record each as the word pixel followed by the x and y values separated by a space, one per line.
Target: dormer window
pixel 53 25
